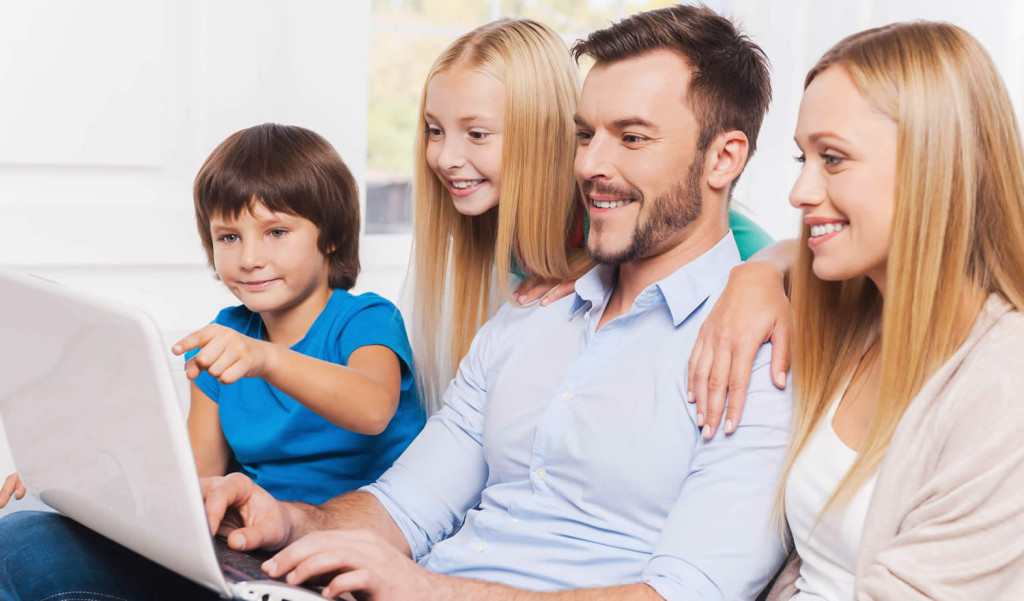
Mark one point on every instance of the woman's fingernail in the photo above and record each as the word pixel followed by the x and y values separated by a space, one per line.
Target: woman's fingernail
pixel 690 397
pixel 706 432
pixel 728 426
pixel 700 419
pixel 780 378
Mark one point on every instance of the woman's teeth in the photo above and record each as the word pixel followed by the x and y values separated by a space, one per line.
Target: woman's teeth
pixel 828 228
pixel 466 184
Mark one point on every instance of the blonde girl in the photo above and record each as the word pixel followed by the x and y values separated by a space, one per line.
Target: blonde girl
pixel 496 124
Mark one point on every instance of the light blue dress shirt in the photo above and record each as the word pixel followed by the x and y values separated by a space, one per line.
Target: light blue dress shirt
pixel 570 457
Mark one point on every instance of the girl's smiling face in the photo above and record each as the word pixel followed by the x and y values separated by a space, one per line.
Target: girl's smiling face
pixel 847 185
pixel 464 116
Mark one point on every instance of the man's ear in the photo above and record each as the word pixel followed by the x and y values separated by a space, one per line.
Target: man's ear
pixel 725 159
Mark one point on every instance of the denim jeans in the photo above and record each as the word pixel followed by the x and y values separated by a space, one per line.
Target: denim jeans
pixel 47 557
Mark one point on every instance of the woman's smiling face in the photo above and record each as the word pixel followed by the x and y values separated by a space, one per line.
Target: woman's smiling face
pixel 464 116
pixel 847 185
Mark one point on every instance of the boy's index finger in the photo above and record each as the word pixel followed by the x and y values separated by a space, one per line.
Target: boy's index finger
pixel 194 340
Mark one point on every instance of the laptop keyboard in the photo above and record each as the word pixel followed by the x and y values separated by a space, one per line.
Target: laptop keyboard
pixel 239 565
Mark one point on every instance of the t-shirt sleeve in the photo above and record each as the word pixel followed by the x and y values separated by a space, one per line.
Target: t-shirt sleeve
pixel 378 323
pixel 749 236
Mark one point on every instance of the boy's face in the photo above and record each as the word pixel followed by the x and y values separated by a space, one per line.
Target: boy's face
pixel 270 261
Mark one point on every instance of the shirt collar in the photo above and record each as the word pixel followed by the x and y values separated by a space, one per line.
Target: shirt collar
pixel 684 290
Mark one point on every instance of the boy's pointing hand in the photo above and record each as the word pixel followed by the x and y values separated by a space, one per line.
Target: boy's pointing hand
pixel 225 354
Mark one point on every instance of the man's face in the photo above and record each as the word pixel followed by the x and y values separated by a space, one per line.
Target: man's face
pixel 636 161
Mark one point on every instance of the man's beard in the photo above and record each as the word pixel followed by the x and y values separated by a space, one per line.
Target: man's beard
pixel 669 213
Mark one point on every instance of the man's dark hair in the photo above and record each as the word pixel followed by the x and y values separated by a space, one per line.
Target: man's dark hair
pixel 290 170
pixel 731 86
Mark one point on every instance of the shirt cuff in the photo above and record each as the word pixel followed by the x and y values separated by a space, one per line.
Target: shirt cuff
pixel 675 579
pixel 417 545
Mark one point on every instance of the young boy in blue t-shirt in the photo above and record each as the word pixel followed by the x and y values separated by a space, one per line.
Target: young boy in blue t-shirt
pixel 304 387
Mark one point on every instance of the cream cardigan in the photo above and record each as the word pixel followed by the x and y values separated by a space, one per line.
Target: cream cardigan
pixel 946 520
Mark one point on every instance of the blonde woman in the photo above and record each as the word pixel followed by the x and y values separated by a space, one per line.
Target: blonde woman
pixel 494 188
pixel 905 476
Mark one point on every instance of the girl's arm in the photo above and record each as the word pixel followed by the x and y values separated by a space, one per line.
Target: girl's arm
pixel 753 309
pixel 209 447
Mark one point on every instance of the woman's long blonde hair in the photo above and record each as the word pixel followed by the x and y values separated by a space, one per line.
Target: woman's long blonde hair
pixel 957 234
pixel 456 256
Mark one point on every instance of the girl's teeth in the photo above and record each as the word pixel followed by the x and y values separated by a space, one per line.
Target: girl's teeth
pixel 466 184
pixel 828 228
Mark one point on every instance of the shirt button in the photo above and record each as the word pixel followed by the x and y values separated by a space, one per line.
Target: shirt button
pixel 542 473
pixel 479 548
pixel 567 396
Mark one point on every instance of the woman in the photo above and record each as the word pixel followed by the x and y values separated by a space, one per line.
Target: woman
pixel 905 476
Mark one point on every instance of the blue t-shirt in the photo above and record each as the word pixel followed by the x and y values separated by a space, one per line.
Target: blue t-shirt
pixel 293 453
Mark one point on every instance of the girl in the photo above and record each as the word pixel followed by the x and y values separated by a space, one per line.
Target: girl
pixel 494 187
pixel 905 469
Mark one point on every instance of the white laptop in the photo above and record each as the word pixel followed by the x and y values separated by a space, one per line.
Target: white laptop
pixel 95 429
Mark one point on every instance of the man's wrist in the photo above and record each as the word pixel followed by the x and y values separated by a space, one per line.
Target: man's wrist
pixel 301 519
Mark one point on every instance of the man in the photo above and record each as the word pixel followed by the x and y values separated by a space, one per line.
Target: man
pixel 566 458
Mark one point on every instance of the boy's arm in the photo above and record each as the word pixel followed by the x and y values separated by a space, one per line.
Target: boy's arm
pixel 361 397
pixel 209 447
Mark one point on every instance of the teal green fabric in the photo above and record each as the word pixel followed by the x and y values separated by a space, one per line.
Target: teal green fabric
pixel 750 238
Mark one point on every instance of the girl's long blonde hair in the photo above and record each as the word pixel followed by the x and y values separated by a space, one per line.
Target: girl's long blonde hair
pixel 456 256
pixel 957 235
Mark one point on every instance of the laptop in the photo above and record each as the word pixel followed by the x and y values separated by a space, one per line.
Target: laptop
pixel 95 428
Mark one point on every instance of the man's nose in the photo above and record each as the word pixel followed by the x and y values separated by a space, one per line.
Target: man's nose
pixel 594 160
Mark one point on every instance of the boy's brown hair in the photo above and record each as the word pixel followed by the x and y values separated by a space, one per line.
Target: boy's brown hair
pixel 731 85
pixel 289 170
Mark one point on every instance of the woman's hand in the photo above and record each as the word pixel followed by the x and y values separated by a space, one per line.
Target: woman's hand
pixel 753 309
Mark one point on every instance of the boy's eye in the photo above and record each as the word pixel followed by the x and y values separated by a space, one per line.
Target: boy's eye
pixel 229 238
pixel 278 233
pixel 583 136
pixel 633 139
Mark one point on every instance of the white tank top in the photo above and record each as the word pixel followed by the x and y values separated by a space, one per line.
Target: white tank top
pixel 829 553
